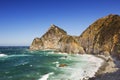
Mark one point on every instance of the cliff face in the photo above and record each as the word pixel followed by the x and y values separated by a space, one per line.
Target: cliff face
pixel 70 45
pixel 103 36
pixel 37 44
pixel 49 40
pixel 57 39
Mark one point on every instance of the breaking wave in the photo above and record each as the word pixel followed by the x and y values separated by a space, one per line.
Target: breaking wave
pixel 46 65
pixel 46 76
pixel 3 55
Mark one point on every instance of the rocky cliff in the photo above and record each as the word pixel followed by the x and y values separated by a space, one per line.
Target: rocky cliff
pixel 49 40
pixel 57 39
pixel 103 36
pixel 69 44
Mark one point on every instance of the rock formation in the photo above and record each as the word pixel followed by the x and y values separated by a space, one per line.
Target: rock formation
pixel 49 40
pixel 62 65
pixel 103 36
pixel 57 39
pixel 69 44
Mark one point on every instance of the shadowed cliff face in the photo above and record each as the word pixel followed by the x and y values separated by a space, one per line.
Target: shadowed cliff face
pixel 102 36
pixel 57 39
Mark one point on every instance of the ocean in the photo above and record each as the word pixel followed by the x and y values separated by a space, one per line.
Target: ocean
pixel 19 63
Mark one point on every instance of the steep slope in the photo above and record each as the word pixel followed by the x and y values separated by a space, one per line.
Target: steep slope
pixel 49 40
pixel 57 39
pixel 37 44
pixel 70 45
pixel 103 36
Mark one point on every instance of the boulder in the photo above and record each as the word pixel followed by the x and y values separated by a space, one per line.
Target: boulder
pixel 62 65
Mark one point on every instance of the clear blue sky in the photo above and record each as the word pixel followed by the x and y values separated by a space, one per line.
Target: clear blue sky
pixel 23 20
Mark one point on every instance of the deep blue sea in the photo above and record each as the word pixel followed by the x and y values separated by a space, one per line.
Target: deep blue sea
pixel 19 63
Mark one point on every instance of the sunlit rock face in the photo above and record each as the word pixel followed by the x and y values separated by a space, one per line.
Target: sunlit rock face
pixel 49 40
pixel 57 39
pixel 70 45
pixel 103 36
pixel 37 44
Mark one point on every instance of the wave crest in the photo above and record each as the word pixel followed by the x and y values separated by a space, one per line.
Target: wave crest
pixel 46 76
pixel 3 55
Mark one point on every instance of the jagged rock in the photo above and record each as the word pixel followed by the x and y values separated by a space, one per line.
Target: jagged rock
pixel 37 44
pixel 102 35
pixel 57 39
pixel 105 53
pixel 49 40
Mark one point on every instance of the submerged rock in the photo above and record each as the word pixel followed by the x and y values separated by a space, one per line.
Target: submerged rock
pixel 62 65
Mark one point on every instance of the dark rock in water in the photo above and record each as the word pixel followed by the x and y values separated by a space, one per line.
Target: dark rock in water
pixel 62 65
pixel 91 78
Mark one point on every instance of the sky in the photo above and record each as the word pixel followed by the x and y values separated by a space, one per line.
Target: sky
pixel 23 20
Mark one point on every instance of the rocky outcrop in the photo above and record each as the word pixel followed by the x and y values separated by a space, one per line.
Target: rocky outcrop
pixel 69 44
pixel 49 40
pixel 57 39
pixel 37 44
pixel 103 36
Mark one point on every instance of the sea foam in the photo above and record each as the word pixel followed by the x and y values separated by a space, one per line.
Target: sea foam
pixel 3 55
pixel 46 76
pixel 84 67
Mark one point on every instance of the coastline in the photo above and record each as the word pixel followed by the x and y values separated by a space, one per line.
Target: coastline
pixel 108 67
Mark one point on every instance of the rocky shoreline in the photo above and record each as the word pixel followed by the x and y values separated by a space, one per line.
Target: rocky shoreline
pixel 101 39
pixel 109 69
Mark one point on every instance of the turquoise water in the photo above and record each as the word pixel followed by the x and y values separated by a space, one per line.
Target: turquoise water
pixel 19 63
